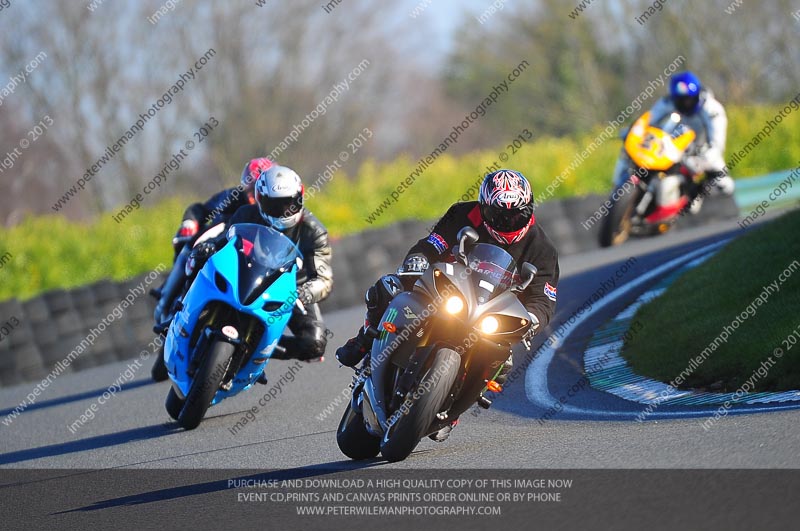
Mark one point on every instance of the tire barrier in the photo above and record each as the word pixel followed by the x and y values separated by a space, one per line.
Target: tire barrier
pixel 53 324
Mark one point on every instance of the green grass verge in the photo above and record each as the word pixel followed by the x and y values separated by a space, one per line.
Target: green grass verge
pixel 695 310
pixel 50 252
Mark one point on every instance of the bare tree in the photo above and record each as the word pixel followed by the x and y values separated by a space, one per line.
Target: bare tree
pixel 273 67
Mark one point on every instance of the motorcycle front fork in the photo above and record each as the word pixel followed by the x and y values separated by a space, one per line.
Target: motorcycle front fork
pixel 644 203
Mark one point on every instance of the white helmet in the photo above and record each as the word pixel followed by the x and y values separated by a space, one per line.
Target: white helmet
pixel 279 196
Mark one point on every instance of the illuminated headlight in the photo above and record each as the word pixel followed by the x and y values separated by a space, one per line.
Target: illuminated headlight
pixel 489 324
pixel 454 305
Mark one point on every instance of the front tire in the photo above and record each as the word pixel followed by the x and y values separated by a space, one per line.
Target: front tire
pixel 406 432
pixel 617 224
pixel 353 438
pixel 173 404
pixel 205 384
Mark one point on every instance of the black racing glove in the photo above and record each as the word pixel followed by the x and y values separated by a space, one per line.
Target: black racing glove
pixel 198 258
pixel 304 295
pixel 534 325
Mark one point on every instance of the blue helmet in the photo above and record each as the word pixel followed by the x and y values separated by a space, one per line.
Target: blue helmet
pixel 684 91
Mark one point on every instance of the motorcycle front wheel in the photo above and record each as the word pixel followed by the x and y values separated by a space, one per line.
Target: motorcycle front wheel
pixel 617 224
pixel 173 404
pixel 205 384
pixel 424 403
pixel 353 438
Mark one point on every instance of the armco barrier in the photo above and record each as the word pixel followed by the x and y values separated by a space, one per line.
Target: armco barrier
pixel 779 189
pixel 53 324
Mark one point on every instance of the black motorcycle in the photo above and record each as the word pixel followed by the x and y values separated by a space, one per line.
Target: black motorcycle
pixel 436 351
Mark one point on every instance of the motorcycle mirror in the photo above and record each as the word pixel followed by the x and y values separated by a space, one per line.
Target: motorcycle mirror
pixel 528 273
pixel 466 236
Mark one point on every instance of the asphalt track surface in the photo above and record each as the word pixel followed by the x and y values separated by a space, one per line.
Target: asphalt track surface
pixel 596 430
pixel 86 476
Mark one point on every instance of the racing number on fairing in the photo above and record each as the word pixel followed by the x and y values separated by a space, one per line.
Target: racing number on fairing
pixel 648 142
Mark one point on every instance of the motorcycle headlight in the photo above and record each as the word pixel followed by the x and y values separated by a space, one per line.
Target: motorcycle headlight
pixel 489 324
pixel 454 305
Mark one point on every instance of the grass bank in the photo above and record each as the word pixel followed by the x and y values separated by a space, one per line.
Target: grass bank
pixel 723 320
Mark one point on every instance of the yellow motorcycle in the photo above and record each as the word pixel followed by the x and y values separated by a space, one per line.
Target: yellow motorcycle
pixel 660 183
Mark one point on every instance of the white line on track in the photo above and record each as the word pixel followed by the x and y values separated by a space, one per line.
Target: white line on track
pixel 536 388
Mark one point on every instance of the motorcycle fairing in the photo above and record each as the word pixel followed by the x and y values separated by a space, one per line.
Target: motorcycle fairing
pixel 178 350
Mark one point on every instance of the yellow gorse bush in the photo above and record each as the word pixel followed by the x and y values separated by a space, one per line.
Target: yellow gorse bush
pixel 50 252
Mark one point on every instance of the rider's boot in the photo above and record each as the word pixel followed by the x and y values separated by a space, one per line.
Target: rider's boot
pixel 444 433
pixel 352 352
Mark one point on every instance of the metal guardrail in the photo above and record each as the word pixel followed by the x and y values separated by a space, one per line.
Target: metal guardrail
pixel 53 323
pixel 779 189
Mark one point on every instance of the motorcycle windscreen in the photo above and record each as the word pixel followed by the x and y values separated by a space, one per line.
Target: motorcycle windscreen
pixel 681 131
pixel 493 270
pixel 264 254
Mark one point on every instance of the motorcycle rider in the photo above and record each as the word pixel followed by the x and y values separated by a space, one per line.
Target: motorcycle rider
pixel 701 111
pixel 503 216
pixel 279 194
pixel 198 218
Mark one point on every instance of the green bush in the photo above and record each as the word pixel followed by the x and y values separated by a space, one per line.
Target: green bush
pixel 347 202
pixel 50 252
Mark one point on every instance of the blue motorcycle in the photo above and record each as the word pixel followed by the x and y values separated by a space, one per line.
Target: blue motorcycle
pixel 229 322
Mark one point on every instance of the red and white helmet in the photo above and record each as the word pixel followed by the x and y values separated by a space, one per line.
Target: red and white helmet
pixel 506 203
pixel 250 174
pixel 279 196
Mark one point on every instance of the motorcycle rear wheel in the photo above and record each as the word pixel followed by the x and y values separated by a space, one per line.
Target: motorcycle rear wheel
pixel 159 370
pixel 406 432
